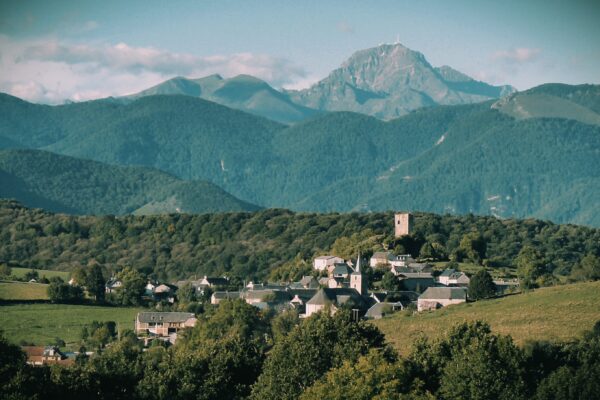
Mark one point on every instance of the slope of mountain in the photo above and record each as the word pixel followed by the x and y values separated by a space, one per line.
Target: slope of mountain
pixel 391 80
pixel 65 184
pixel 579 103
pixel 465 158
pixel 242 92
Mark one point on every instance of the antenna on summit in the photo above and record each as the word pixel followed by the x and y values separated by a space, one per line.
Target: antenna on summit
pixel 397 39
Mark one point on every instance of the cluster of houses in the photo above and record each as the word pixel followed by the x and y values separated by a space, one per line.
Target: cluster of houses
pixel 341 283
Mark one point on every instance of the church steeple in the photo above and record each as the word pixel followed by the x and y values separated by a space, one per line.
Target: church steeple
pixel 358 280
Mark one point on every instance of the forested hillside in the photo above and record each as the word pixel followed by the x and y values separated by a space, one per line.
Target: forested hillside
pixel 65 184
pixel 472 158
pixel 278 243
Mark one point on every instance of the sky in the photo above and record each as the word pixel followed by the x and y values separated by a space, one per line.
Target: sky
pixel 52 51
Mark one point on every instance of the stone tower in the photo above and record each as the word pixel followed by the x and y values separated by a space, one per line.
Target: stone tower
pixel 403 224
pixel 358 280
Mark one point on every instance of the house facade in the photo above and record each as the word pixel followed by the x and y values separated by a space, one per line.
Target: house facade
pixel 322 262
pixel 163 324
pixel 437 297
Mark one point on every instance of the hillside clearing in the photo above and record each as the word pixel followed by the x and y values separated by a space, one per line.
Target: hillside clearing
pixel 559 313
pixel 20 273
pixel 42 323
pixel 23 291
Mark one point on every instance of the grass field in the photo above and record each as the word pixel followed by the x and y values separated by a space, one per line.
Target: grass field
pixel 20 272
pixel 23 291
pixel 42 323
pixel 559 313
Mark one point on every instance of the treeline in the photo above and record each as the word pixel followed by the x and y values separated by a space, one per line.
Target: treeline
pixel 281 244
pixel 237 352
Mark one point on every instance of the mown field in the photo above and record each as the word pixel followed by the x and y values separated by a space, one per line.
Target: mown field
pixel 559 313
pixel 42 323
pixel 23 291
pixel 20 272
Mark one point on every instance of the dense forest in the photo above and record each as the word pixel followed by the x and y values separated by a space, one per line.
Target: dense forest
pixel 237 352
pixel 76 186
pixel 280 244
pixel 458 159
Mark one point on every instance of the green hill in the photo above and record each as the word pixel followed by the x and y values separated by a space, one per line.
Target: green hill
pixel 65 184
pixel 470 158
pixel 268 243
pixel 556 314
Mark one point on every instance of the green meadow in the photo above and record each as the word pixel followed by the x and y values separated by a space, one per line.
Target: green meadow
pixel 559 313
pixel 42 323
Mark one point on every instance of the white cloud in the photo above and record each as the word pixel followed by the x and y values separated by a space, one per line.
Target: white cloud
pixel 518 55
pixel 47 70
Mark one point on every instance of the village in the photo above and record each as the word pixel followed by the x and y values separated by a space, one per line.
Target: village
pixel 335 283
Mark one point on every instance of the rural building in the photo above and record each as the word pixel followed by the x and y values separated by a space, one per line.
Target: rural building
pixel 336 298
pixel 163 324
pixel 379 310
pixel 341 271
pixel 213 282
pixel 112 285
pixel 452 277
pixel 436 297
pixel 387 258
pixel 217 297
pixel 416 281
pixel 322 262
pixel 49 355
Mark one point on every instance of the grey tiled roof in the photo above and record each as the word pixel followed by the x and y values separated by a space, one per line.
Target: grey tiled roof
pixel 147 317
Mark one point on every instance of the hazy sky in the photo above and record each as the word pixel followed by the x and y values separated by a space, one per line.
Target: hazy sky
pixel 56 50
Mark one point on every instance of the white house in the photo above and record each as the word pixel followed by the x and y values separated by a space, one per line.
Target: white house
pixel 322 262
pixel 452 277
pixel 436 297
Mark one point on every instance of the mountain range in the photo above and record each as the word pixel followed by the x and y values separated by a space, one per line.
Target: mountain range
pixel 532 153
pixel 387 81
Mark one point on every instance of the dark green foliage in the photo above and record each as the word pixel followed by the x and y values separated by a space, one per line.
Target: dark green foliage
pixel 30 275
pixel 134 284
pixel 95 282
pixel 588 268
pixel 251 245
pixel 61 292
pixel 390 282
pixel 312 348
pixel 471 363
pixel 530 266
pixel 481 286
pixel 76 186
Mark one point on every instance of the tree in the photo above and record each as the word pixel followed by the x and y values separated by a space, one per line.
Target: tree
pixel 134 285
pixel 33 274
pixel 186 293
pixel 530 266
pixel 481 286
pixel 61 292
pixel 95 282
pixel 311 349
pixel 376 376
pixel 470 363
pixel 5 271
pixel 283 323
pixel 390 282
pixel 473 246
pixel 79 276
pixel 588 268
